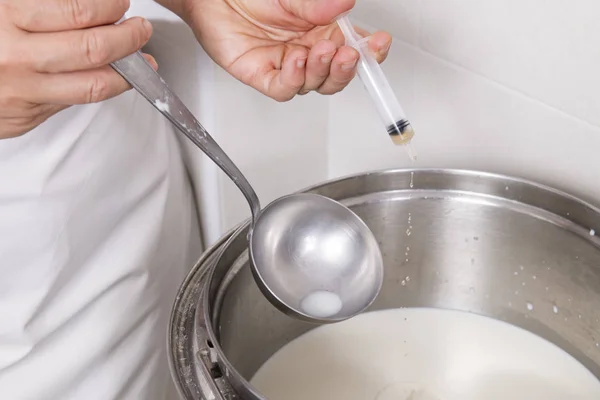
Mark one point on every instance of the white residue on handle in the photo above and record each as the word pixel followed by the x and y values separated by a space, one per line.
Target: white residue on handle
pixel 161 105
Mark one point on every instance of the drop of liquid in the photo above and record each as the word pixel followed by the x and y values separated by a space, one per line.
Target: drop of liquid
pixel 321 304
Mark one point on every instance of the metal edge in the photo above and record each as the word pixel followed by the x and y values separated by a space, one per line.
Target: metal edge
pixel 197 273
pixel 458 172
pixel 230 370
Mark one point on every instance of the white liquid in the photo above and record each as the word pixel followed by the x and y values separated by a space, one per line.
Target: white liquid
pixel 321 304
pixel 423 354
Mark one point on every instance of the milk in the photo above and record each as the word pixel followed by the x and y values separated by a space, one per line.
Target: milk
pixel 321 304
pixel 423 354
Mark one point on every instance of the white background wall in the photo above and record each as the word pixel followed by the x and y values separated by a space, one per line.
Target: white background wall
pixel 509 86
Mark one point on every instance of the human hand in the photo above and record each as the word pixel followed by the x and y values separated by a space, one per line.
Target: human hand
pixel 55 53
pixel 280 47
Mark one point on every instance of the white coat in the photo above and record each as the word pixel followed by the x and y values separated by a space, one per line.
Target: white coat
pixel 97 230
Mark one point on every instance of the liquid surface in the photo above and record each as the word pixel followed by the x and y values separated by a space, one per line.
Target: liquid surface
pixel 321 304
pixel 423 354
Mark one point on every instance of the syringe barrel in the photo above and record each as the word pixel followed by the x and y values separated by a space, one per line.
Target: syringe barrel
pixel 378 87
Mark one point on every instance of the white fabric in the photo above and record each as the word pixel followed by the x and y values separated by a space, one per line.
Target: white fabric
pixel 97 229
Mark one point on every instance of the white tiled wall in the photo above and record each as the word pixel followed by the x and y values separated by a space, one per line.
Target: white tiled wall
pixel 280 147
pixel 508 86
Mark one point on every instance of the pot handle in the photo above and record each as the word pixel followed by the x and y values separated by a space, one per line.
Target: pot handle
pixel 214 385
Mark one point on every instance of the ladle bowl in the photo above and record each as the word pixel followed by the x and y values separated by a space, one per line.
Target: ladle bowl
pixel 308 247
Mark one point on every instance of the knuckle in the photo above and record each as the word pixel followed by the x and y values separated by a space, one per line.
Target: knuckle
pixel 16 14
pixel 95 48
pixel 98 89
pixel 80 15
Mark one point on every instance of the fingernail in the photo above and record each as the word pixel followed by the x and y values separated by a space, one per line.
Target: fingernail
pixel 385 48
pixel 301 62
pixel 147 26
pixel 326 59
pixel 347 66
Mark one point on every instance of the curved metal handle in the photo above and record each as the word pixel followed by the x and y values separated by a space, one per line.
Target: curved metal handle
pixel 136 70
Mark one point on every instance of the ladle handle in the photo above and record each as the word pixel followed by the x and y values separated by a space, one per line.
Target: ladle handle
pixel 136 70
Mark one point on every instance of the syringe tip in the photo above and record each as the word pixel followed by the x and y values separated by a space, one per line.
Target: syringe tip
pixel 412 154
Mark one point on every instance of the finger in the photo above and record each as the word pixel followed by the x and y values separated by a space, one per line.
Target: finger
pixel 343 69
pixel 81 87
pixel 379 45
pixel 379 42
pixel 283 84
pixel 27 110
pixel 13 126
pixel 318 65
pixel 61 15
pixel 86 48
pixel 151 60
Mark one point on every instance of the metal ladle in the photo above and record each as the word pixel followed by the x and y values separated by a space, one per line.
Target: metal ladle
pixel 312 257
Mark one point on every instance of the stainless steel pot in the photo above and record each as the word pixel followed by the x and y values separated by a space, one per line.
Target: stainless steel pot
pixel 488 244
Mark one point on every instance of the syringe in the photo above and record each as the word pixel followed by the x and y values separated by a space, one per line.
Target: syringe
pixel 375 82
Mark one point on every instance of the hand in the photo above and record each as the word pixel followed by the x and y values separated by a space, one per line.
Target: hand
pixel 55 53
pixel 280 47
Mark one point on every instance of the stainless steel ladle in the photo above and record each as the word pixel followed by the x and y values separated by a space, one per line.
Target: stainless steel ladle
pixel 312 257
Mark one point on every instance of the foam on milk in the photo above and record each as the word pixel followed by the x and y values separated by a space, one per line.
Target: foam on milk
pixel 423 354
pixel 321 304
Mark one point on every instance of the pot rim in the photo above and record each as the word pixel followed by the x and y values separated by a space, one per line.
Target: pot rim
pixel 223 243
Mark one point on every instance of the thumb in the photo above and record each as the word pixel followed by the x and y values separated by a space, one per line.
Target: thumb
pixel 318 12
